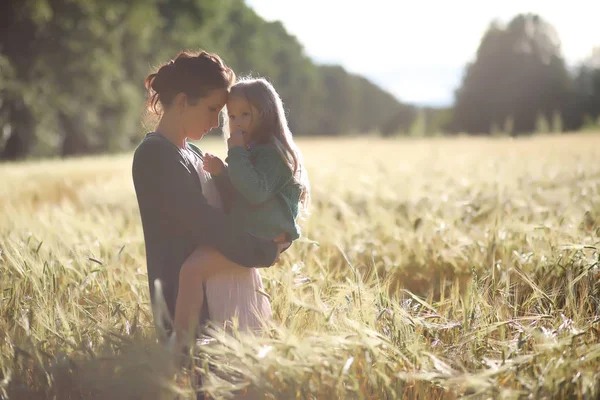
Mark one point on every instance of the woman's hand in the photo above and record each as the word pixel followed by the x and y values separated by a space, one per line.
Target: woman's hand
pixel 236 139
pixel 213 164
pixel 282 245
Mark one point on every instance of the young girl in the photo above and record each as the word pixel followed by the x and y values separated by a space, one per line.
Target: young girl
pixel 264 186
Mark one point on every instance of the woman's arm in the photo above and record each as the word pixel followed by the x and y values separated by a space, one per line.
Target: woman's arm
pixel 226 189
pixel 259 181
pixel 160 178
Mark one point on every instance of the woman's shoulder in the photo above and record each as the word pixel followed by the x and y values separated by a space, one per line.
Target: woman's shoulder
pixel 153 140
pixel 195 149
pixel 154 147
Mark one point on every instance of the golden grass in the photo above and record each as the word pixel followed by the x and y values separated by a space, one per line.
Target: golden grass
pixel 442 268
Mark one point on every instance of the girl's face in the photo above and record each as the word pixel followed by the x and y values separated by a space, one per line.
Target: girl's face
pixel 199 118
pixel 243 116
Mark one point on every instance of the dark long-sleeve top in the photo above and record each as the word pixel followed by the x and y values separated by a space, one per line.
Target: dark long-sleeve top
pixel 177 219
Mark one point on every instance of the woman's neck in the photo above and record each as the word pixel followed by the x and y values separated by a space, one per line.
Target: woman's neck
pixel 171 130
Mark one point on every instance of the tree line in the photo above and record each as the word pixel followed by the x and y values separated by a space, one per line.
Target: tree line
pixel 72 72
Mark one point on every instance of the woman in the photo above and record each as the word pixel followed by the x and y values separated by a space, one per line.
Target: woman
pixel 188 93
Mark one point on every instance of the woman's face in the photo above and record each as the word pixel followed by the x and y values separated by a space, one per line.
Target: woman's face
pixel 201 117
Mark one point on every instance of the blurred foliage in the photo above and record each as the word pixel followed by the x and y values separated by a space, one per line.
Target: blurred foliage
pixel 519 75
pixel 72 71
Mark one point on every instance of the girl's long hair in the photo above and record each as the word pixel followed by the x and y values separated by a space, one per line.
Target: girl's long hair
pixel 273 128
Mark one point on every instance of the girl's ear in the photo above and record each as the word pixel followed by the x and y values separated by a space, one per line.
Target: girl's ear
pixel 256 113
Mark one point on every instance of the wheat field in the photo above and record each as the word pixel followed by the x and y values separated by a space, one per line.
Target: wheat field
pixel 429 268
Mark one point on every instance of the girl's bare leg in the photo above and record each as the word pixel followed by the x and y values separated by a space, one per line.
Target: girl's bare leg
pixel 197 268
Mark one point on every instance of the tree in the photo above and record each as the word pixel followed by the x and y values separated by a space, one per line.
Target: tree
pixel 587 86
pixel 518 73
pixel 70 89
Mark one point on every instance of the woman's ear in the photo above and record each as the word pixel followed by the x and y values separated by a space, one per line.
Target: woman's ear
pixel 180 101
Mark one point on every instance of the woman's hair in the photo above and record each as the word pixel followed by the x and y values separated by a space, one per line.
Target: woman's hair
pixel 194 73
pixel 272 127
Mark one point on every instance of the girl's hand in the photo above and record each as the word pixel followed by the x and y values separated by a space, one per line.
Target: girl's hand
pixel 236 139
pixel 213 164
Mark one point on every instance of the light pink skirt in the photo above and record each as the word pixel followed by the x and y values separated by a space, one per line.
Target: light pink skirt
pixel 235 294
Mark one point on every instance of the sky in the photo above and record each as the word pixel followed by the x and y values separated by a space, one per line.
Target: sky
pixel 417 50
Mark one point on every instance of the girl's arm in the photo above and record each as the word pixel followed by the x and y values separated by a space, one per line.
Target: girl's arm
pixel 159 176
pixel 259 181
